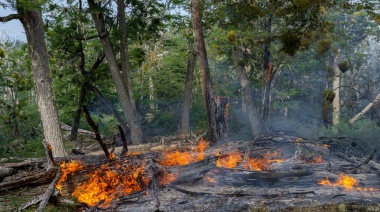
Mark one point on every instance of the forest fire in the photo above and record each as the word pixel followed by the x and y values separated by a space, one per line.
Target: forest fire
pixel 262 163
pixel 66 169
pixel 176 157
pixel 106 184
pixel 229 161
pixel 344 181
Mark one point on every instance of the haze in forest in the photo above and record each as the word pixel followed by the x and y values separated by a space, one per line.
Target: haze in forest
pixel 305 68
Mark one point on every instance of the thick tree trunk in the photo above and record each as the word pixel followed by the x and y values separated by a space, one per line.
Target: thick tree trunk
pixel 336 88
pixel 247 93
pixel 185 117
pixel 207 91
pixel 31 18
pixel 125 96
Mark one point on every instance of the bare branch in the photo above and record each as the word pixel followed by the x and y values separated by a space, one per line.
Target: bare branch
pixel 9 17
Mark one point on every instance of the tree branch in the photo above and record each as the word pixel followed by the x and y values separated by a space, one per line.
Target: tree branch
pixel 9 17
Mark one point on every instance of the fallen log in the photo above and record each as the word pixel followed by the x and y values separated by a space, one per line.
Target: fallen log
pixel 66 127
pixel 33 180
pixel 193 172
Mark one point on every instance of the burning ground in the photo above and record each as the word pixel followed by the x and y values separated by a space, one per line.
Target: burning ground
pixel 273 172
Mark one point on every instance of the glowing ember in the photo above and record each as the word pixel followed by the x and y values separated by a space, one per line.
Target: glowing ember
pixel 66 169
pixel 229 161
pixel 344 181
pixel 317 160
pixel 167 178
pixel 176 157
pixel 210 179
pixel 262 163
pixel 106 184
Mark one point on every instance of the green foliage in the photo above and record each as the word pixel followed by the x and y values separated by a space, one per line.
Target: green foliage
pixel 303 4
pixel 344 66
pixel 323 45
pixel 291 42
pixel 231 36
pixel 329 95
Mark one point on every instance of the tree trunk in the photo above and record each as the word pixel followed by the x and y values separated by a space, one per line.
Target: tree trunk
pixel 336 88
pixel 207 90
pixel 78 114
pixel 185 117
pixel 247 93
pixel 134 120
pixel 268 72
pixel 31 19
pixel 125 95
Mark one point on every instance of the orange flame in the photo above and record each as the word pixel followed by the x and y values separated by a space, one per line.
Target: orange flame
pixel 176 157
pixel 66 169
pixel 262 163
pixel 106 184
pixel 229 161
pixel 344 181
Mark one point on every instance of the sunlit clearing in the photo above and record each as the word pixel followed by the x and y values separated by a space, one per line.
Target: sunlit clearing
pixel 66 169
pixel 229 161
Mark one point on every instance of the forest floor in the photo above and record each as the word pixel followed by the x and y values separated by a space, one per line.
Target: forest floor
pixel 339 155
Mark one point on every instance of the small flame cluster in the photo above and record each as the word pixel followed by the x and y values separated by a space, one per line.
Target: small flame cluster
pixel 177 158
pixel 345 181
pixel 258 164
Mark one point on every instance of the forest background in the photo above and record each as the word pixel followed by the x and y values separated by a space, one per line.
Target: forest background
pixel 311 67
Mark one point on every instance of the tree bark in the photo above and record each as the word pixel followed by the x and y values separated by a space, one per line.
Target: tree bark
pixel 31 19
pixel 125 95
pixel 207 90
pixel 78 114
pixel 247 93
pixel 268 70
pixel 336 88
pixel 185 117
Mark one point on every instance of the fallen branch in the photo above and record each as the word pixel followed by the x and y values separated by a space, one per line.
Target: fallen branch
pixel 82 131
pixel 46 196
pixel 370 157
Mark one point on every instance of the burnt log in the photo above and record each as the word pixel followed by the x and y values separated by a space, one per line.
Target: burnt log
pixel 32 180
